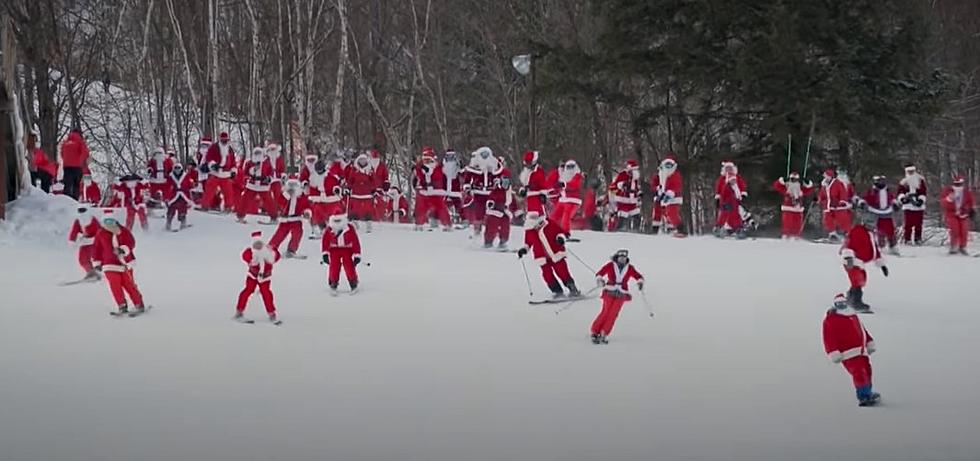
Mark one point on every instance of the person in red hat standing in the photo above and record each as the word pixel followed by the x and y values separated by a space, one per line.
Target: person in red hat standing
pixel 881 202
pixel 259 258
pixel 257 174
pixel 626 191
pixel 341 249
pixel 113 254
pixel 836 204
pixel 177 195
pixel 90 193
pixel 958 205
pixel 847 342
pixel 730 191
pixel 294 206
pixel 274 152
pixel 667 187
pixel 499 210
pixel 430 191
pixel 221 164
pixel 158 168
pixel 570 183
pixel 793 192
pixel 534 182
pixel 912 195
pixel 362 190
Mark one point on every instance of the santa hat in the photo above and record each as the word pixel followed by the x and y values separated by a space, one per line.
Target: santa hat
pixel 909 167
pixel 794 175
pixel 178 166
pixel 632 165
pixel 159 151
pixel 571 163
pixel 531 157
pixel 428 155
pixel 428 150
pixel 310 157
pixel 840 301
pixel 878 177
pixel 374 153
pixel 257 236
pixel 109 216
pixel 622 252
pixel 223 136
pixel 258 152
pixel 829 172
pixel 669 158
pixel 205 140
pixel 337 221
pixel 958 180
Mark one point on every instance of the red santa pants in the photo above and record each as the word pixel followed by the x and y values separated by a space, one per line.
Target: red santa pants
pixel 361 209
pixel 563 213
pixel 157 190
pixel 265 289
pixel 536 203
pixel 792 223
pixel 913 226
pixel 477 209
pixel 251 200
pixel 431 204
pixel 341 257
pixel 886 231
pixel 959 231
pixel 857 276
pixel 291 229
pixel 321 212
pixel 177 207
pixel 275 188
pixel 214 185
pixel 122 284
pixel 627 210
pixel 860 369
pixel 729 217
pixel 85 257
pixel 603 323
pixel 550 270
pixel 132 213
pixel 670 213
pixel 496 226
pixel 834 220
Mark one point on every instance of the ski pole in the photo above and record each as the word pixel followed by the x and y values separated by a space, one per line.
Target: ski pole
pixel 579 259
pixel 806 159
pixel 646 303
pixel 789 153
pixel 527 278
pixel 573 300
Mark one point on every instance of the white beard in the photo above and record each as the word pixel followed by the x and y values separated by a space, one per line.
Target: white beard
pixel 451 169
pixel 567 175
pixel 525 176
pixel 794 189
pixel 663 174
pixel 914 181
pixel 374 162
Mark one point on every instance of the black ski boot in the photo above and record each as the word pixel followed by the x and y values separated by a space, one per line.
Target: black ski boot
pixel 963 252
pixel 556 290
pixel 870 400
pixel 572 289
pixel 488 245
pixel 353 287
pixel 121 311
pixel 595 338
pixel 603 339
pixel 855 297
pixel 183 223
pixel 333 289
pixel 170 226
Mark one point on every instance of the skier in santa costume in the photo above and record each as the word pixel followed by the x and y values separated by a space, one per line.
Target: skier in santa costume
pixel 363 188
pixel 89 191
pixel 112 252
pixel 324 193
pixel 257 173
pixel 341 249
pixel 546 241
pixel 570 183
pixel 859 249
pixel 912 194
pixel 396 206
pixel 534 181
pixel 626 191
pixel 667 187
pixel 847 342
pixel 177 195
pixel 880 202
pixel 158 168
pixel 129 195
pixel 500 207
pixel 274 152
pixel 793 192
pixel 453 172
pixel 293 207
pixel 201 165
pixel 730 191
pixel 221 162
pixel 478 182
pixel 835 200
pixel 614 278
pixel 82 234
pixel 259 258
pixel 957 202
pixel 430 188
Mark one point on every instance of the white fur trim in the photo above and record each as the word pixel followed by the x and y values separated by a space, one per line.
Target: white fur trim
pixel 257 187
pixel 792 208
pixel 576 201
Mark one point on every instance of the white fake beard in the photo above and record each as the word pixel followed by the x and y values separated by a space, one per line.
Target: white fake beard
pixel 374 162
pixel 451 169
pixel 794 189
pixel 635 174
pixel 913 181
pixel 525 176
pixel 566 175
pixel 663 174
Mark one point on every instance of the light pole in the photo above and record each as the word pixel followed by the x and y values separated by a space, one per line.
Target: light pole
pixel 523 65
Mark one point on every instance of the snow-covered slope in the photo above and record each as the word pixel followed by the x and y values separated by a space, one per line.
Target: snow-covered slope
pixel 441 358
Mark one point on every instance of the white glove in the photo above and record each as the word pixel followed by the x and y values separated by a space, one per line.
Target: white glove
pixel 836 357
pixel 600 281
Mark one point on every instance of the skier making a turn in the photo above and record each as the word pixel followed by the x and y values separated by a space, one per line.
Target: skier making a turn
pixel 113 254
pixel 614 278
pixel 546 241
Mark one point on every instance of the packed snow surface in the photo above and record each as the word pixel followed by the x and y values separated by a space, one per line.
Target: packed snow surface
pixel 440 357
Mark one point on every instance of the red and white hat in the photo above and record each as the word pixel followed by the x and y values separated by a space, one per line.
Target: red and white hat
pixel 958 180
pixel 632 165
pixel 840 300
pixel 257 236
pixel 310 158
pixel 223 136
pixel 375 153
pixel 428 150
pixel 794 175
pixel 531 157
pixel 205 140
pixel 829 172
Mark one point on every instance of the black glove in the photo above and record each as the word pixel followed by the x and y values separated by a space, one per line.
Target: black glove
pixel 919 201
pixel 561 184
pixel 521 253
pixel 346 191
pixel 234 173
pixel 863 205
pixel 972 213
pixel 522 192
pixel 266 181
pixel 337 190
pixel 905 199
pixel 896 206
pixel 326 258
pixel 717 202
pixel 357 260
pixel 560 239
pixel 884 270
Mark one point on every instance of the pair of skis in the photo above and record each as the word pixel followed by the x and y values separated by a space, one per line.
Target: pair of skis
pixel 130 314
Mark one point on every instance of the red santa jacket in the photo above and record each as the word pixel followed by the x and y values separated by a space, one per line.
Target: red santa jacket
pixel 844 337
pixel 159 169
pixel 257 175
pixel 477 181
pixel 912 187
pixel 543 243
pixel 668 190
pixel 881 202
pixel 345 240
pixel 128 196
pixel 90 193
pixel 616 280
pixel 84 234
pixel 40 162
pixel 501 202
pixel 835 195
pixel 535 181
pixel 861 245
pixel 571 192
pixel 260 262
pixel 396 207
pixel 361 182
pixel 74 152
pixel 380 172
pixel 114 252
pixel 278 167
pixel 326 188
pixel 957 206
pixel 292 209
pixel 179 187
pixel 626 189
pixel 223 157
pixel 792 201
pixel 429 181
pixel 730 189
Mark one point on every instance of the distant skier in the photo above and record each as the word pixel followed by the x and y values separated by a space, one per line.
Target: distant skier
pixel 341 249
pixel 257 173
pixel 129 193
pixel 860 248
pixel 534 183
pixel 912 194
pixel 570 184
pixel 835 200
pixel 159 167
pixel 325 194
pixel 177 195
pixel 221 163
pixel 500 206
pixel 668 196
pixel 793 192
pixel 455 177
pixel 274 152
pixel 82 234
pixel 362 188
pixel 730 192
pixel 546 242
pixel 847 342
pixel 958 206
pixel 880 201
pixel 113 254
pixel 614 278
pixel 259 258
pixel 89 193
pixel 625 192
pixel 430 191
pixel 294 206
pixel 396 206
pixel 478 181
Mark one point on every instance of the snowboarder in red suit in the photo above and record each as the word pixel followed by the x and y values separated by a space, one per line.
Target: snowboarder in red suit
pixel 82 234
pixel 158 168
pixel 957 202
pixel 667 187
pixel 259 258
pixel 257 173
pixel 847 342
pixel 430 191
pixel 89 192
pixel 177 195
pixel 293 207
pixel 363 188
pixel 626 192
pixel 534 181
pixel 221 163
pixel 500 206
pixel 793 192
pixel 912 195
pixel 546 242
pixel 730 191
pixel 341 250
pixel 570 184
pixel 113 254
pixel 859 249
pixel 614 278
pixel 880 202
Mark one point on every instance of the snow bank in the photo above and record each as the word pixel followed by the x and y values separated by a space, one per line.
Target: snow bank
pixel 38 217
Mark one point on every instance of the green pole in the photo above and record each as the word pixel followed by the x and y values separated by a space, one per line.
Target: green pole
pixel 789 153
pixel 806 160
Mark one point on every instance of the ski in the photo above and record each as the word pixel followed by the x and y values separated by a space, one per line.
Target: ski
pixel 300 257
pixel 78 282
pixel 567 299
pixel 573 240
pixel 267 223
pixel 243 320
pixel 136 313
